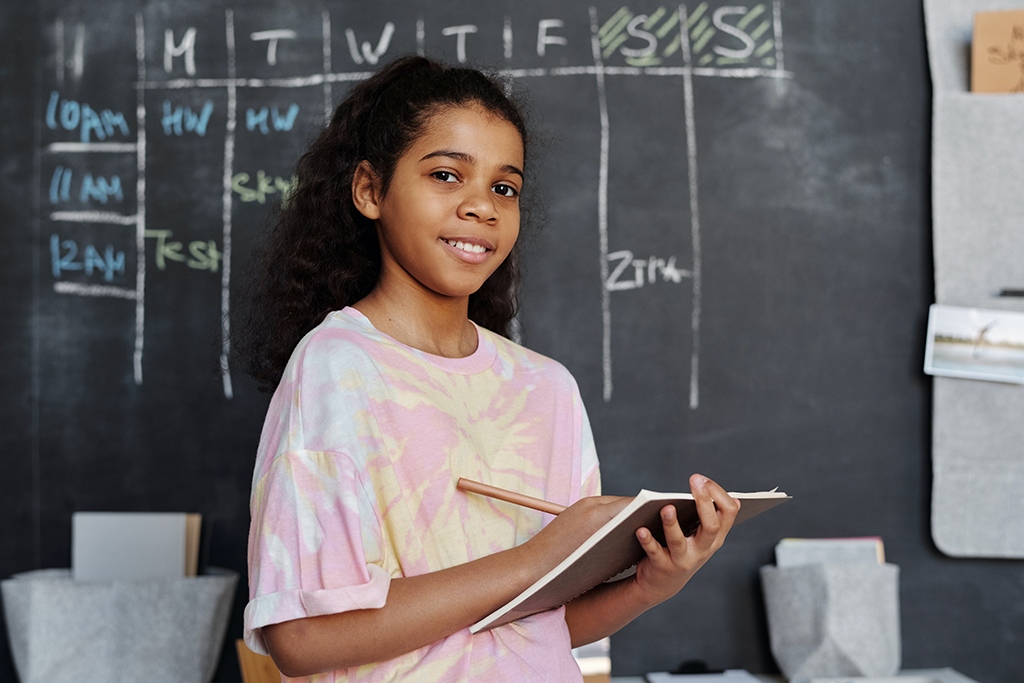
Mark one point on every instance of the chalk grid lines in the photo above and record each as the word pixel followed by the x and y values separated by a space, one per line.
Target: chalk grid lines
pixel 599 70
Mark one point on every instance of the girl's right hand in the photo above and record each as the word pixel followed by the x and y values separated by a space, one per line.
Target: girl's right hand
pixel 569 530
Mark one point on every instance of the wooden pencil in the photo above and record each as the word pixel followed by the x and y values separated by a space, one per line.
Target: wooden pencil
pixel 509 496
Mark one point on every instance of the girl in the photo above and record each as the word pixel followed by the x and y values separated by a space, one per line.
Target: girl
pixel 390 280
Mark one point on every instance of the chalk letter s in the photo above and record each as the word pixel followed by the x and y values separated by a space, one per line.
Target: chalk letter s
pixel 718 19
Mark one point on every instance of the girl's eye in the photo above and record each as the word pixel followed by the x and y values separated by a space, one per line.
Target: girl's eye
pixel 445 176
pixel 505 190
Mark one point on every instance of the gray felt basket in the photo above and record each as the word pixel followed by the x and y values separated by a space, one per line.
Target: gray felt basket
pixel 834 619
pixel 158 631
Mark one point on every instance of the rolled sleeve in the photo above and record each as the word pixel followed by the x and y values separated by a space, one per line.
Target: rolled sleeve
pixel 315 544
pixel 297 604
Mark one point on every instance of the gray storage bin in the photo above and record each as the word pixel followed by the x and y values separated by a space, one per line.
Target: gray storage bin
pixel 834 619
pixel 157 631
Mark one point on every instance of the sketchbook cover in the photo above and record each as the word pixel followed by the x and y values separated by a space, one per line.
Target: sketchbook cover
pixel 613 549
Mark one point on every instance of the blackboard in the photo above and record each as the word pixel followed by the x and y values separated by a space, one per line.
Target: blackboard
pixel 734 262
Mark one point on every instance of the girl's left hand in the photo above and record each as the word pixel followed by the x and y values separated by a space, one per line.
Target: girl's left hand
pixel 666 569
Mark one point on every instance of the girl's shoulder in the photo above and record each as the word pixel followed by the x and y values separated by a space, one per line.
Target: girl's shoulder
pixel 530 362
pixel 345 327
pixel 341 339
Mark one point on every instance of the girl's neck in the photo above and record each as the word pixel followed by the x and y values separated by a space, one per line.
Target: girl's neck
pixel 433 324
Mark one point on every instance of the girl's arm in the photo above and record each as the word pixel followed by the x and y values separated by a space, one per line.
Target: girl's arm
pixel 421 610
pixel 660 575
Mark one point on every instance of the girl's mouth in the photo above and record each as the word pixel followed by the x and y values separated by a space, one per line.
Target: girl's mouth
pixel 466 246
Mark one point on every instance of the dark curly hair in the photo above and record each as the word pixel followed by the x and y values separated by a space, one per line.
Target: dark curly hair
pixel 322 254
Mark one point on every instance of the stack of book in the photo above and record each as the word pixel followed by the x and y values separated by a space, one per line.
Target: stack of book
pixel 796 552
pixel 128 546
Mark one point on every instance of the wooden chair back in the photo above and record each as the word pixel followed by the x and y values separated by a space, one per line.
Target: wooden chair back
pixel 256 668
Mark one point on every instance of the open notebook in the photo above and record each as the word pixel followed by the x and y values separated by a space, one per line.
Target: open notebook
pixel 613 549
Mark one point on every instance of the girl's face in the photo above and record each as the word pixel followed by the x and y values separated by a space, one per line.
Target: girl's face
pixel 451 212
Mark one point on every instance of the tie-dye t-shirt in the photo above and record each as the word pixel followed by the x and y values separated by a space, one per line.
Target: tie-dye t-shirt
pixel 355 480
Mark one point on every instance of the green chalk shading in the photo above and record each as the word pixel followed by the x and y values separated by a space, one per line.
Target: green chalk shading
pixel 699 45
pixel 698 30
pixel 759 31
pixel 654 18
pixel 612 37
pixel 757 11
pixel 614 45
pixel 613 31
pixel 668 25
pixel 673 47
pixel 705 59
pixel 701 8
pixel 765 47
pixel 615 18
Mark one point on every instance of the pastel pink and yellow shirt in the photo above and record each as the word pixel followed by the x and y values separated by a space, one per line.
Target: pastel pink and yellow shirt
pixel 355 484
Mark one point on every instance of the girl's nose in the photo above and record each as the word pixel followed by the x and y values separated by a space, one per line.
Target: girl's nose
pixel 478 206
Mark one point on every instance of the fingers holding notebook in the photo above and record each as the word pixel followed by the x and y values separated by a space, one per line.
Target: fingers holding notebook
pixel 667 568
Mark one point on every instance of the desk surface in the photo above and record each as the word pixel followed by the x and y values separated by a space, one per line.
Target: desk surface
pixel 939 675
pixel 640 679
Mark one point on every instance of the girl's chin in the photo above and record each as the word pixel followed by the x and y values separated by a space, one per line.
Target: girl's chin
pixel 462 290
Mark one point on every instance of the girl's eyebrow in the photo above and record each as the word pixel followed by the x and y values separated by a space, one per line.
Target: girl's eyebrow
pixel 468 158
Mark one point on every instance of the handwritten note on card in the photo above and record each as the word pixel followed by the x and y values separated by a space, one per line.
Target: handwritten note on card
pixel 997 52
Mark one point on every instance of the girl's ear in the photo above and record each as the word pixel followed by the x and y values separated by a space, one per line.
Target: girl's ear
pixel 365 191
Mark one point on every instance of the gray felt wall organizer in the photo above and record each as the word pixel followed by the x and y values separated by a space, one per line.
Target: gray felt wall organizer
pixel 978 238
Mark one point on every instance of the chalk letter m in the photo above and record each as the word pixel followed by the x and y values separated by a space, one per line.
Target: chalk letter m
pixel 186 47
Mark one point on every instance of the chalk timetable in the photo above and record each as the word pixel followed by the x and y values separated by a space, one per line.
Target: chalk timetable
pixel 645 41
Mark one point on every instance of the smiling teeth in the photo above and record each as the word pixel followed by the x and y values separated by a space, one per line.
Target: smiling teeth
pixel 465 246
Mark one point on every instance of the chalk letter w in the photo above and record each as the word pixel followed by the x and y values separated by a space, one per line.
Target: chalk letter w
pixel 369 54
